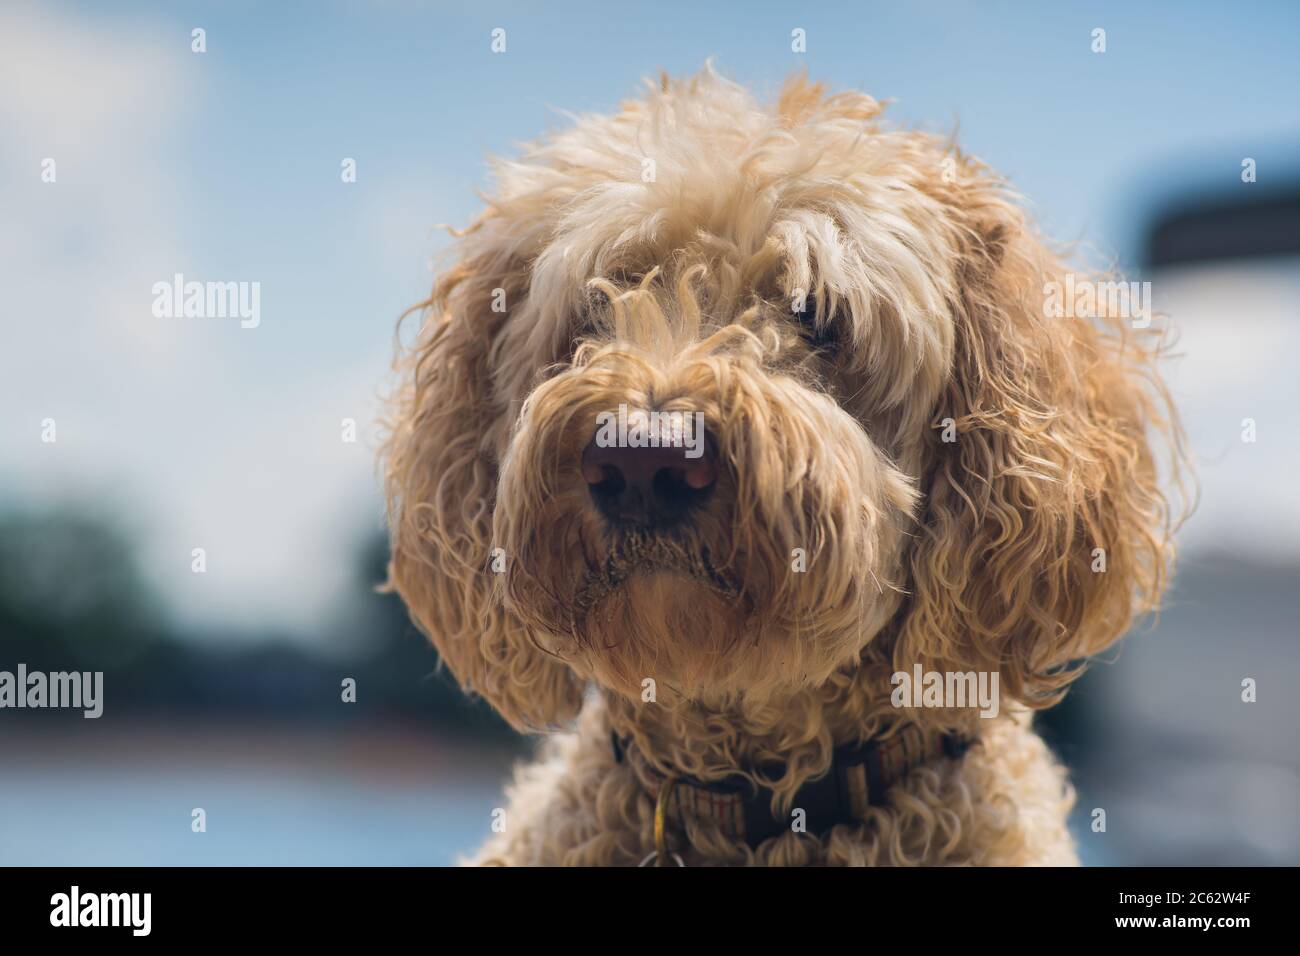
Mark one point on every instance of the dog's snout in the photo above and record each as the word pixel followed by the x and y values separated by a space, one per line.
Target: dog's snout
pixel 651 486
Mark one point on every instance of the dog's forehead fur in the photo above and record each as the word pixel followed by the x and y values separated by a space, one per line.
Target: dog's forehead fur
pixel 806 195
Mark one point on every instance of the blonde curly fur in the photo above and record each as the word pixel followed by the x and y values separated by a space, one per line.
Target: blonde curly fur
pixel 586 284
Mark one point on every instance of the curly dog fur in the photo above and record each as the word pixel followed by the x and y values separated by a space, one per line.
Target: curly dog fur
pixel 858 312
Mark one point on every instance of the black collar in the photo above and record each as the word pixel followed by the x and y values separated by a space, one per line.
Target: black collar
pixel 859 777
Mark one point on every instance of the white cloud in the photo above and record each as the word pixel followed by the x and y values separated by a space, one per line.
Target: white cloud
pixel 177 421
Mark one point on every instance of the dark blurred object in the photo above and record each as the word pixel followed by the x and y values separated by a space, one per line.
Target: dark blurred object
pixel 1250 223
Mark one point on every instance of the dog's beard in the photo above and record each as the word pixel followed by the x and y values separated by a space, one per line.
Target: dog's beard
pixel 665 635
pixel 634 604
pixel 657 616
pixel 685 615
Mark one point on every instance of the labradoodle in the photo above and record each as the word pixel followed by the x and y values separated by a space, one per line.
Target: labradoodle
pixel 739 454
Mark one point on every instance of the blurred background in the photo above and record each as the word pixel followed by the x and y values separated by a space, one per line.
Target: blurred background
pixel 222 689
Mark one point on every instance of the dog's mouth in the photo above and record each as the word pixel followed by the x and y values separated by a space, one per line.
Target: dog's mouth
pixel 639 551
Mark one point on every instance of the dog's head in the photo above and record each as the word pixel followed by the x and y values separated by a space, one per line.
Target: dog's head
pixel 867 430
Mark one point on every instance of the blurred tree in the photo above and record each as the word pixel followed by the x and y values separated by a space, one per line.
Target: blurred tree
pixel 71 593
pixel 72 598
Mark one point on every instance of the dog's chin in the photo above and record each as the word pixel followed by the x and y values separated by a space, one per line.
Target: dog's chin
pixel 687 616
pixel 668 632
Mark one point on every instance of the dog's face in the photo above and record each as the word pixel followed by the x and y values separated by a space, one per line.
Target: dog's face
pixel 866 430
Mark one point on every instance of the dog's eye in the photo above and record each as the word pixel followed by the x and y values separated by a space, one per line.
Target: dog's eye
pixel 588 322
pixel 821 336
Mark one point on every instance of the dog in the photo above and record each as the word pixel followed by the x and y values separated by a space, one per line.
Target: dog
pixel 908 471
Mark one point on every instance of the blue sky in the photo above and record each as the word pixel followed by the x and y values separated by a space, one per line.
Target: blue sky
pixel 225 165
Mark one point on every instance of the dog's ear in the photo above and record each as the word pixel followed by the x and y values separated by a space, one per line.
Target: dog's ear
pixel 447 430
pixel 1043 530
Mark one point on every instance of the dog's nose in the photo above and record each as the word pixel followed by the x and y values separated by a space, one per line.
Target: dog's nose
pixel 648 486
